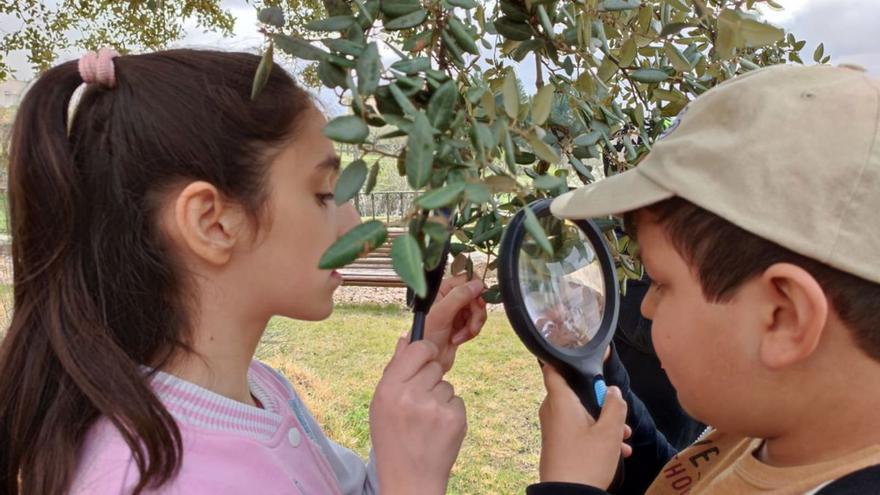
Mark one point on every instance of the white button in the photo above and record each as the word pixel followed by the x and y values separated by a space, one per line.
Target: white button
pixel 294 437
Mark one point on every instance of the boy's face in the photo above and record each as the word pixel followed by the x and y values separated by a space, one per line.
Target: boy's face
pixel 704 347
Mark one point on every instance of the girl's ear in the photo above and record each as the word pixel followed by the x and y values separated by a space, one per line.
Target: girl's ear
pixel 209 226
pixel 799 315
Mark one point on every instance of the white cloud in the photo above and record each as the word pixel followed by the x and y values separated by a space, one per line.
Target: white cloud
pixel 848 29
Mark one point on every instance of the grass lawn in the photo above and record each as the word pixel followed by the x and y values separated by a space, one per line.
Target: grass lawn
pixel 336 363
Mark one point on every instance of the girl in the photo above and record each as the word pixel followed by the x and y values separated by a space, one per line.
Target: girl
pixel 157 226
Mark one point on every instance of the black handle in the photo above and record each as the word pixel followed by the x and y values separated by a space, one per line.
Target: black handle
pixel 592 396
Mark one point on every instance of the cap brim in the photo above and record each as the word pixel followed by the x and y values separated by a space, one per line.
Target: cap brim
pixel 615 195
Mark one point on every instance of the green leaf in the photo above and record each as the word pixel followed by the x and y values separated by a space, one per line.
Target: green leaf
pixel 407 21
pixel 757 34
pixel 343 46
pixel 462 36
pixel 542 104
pixel 548 182
pixel 500 184
pixel 369 68
pixel 402 100
pixel 442 105
pixel 676 58
pixel 738 30
pixel 331 75
pixel 509 152
pixel 542 149
pixel 674 28
pixel 514 11
pixel 545 21
pixel 347 129
pixel 443 196
pixel 533 227
pixel 616 5
pixel 588 139
pixel 271 15
pixel 510 95
pixel 418 42
pixel 412 66
pixel 465 4
pixel 263 72
pixel 649 75
pixel 396 8
pixel 371 179
pixel 628 53
pixel 419 152
pixel 359 240
pixel 820 51
pixel 477 193
pixel 436 231
pixel 580 167
pixel 350 181
pixel 492 296
pixel 514 30
pixel 406 257
pixel 298 48
pixel 607 69
pixel 335 23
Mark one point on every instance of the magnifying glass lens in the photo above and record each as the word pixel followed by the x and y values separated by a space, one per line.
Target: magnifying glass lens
pixel 564 294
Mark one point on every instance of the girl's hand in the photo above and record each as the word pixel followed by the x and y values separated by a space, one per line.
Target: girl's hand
pixel 457 315
pixel 574 447
pixel 417 423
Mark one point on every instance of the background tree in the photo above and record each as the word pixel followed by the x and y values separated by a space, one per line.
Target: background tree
pixel 49 27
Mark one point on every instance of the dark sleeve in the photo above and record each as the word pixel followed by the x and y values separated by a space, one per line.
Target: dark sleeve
pixel 651 450
pixel 558 488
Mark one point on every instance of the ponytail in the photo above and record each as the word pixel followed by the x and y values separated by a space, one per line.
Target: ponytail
pixel 97 291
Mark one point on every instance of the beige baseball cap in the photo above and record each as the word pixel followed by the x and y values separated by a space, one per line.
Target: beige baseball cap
pixel 789 153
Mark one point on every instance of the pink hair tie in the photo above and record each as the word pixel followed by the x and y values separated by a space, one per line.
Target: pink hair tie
pixel 97 68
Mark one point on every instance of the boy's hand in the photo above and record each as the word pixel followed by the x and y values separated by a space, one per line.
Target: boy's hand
pixel 457 315
pixel 574 447
pixel 417 423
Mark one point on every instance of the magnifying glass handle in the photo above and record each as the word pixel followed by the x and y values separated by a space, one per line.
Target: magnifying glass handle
pixel 592 396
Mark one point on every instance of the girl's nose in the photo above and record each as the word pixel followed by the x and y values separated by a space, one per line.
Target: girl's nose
pixel 347 218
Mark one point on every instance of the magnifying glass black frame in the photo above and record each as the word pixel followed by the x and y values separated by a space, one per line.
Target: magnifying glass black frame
pixel 581 367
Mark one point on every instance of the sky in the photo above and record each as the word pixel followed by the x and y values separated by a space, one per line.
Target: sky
pixel 848 28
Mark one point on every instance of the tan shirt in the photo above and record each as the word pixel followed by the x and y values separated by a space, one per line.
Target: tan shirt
pixel 721 464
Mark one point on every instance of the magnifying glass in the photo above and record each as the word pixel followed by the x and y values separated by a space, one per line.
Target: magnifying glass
pixel 562 306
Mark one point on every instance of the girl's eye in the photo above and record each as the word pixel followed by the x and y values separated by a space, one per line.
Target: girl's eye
pixel 324 198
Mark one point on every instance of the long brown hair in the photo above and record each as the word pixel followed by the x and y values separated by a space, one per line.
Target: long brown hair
pixel 97 291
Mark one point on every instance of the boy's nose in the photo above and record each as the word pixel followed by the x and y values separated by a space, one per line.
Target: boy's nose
pixel 347 218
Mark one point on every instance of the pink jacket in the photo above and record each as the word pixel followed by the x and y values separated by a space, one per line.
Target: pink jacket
pixel 230 447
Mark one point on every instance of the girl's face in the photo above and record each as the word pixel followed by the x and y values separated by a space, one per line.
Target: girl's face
pixel 303 221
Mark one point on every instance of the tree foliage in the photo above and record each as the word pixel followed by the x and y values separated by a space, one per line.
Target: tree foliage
pixel 447 78
pixel 609 74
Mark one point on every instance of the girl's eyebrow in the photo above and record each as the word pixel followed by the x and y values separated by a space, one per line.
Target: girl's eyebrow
pixel 331 163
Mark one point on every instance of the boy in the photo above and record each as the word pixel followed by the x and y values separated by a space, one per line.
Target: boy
pixel 758 218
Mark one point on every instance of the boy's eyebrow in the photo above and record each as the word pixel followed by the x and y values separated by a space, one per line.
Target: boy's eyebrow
pixel 331 163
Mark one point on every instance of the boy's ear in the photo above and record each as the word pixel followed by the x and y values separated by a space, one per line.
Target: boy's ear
pixel 797 315
pixel 208 225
